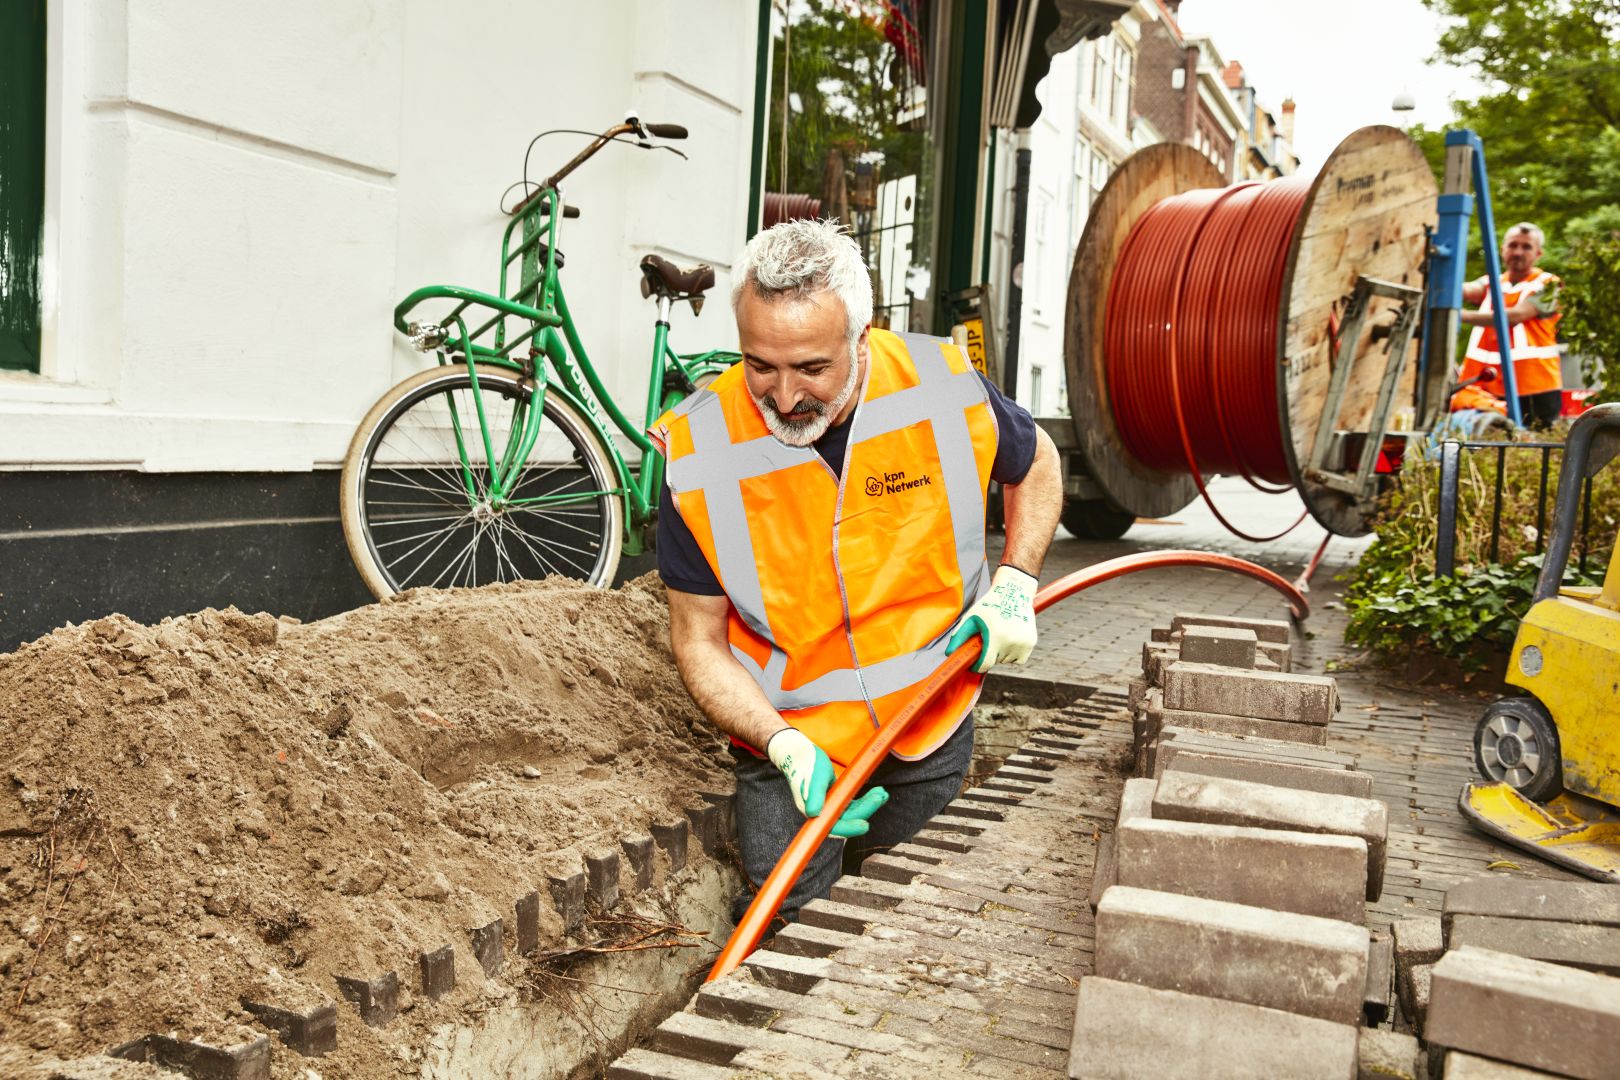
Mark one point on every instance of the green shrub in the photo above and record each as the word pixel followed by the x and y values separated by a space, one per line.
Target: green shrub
pixel 1397 604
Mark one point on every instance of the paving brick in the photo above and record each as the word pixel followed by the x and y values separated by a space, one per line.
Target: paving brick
pixel 528 923
pixel 1589 902
pixel 1379 998
pixel 1526 1012
pixel 1227 646
pixel 1281 655
pixel 377 999
pixel 1135 800
pixel 671 836
pixel 1273 630
pixel 312 1032
pixel 644 1064
pixel 1154 657
pixel 1103 875
pixel 705 826
pixel 881 895
pixel 1386 1055
pixel 247 1061
pixel 797 974
pixel 1255 746
pixel 1128 1031
pixel 1460 1066
pixel 1595 948
pixel 602 879
pixel 1413 987
pixel 743 1001
pixel 568 894
pixel 438 971
pixel 1309 873
pixel 1217 801
pixel 1300 699
pixel 1211 948
pixel 638 858
pixel 489 946
pixel 1261 771
pixel 1417 941
pixel 1248 726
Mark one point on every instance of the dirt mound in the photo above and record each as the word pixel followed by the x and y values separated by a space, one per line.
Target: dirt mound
pixel 226 804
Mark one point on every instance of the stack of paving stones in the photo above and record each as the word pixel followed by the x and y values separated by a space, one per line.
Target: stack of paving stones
pixel 957 954
pixel 1517 977
pixel 1230 899
pixel 606 879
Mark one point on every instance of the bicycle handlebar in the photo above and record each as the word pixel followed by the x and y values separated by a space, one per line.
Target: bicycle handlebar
pixel 629 127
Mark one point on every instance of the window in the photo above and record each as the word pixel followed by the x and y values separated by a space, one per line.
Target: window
pixel 1034 268
pixel 1100 168
pixel 22 188
pixel 1035 388
pixel 1102 72
pixel 1080 193
pixel 1122 87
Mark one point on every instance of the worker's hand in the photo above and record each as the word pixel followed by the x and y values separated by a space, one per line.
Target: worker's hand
pixel 809 773
pixel 1004 619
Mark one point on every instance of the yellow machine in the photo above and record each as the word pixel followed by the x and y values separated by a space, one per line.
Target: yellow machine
pixel 1554 753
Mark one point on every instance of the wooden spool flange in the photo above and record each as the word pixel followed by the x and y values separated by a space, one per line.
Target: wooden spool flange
pixel 1365 215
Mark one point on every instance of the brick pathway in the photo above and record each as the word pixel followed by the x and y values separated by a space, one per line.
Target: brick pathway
pixel 971 968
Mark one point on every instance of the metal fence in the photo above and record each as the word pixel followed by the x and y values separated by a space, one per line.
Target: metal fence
pixel 1445 555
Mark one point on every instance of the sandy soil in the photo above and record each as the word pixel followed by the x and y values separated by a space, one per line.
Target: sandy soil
pixel 228 805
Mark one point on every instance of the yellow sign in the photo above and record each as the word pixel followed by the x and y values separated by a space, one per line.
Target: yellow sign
pixel 974 346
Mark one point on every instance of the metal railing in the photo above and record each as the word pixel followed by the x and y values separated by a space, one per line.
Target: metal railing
pixel 1445 554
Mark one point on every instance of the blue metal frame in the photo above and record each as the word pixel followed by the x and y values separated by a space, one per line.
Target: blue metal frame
pixel 1450 253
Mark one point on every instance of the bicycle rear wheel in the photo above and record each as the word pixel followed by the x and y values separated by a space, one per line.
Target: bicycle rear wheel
pixel 414 514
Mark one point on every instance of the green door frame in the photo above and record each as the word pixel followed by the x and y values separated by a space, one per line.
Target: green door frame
pixel 22 191
pixel 762 97
pixel 962 154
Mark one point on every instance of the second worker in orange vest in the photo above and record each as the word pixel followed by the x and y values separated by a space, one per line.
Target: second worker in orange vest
pixel 1528 297
pixel 833 483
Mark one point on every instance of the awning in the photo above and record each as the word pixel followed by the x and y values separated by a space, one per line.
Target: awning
pixel 1029 34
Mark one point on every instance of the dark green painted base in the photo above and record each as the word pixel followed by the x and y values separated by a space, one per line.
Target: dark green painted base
pixel 80 545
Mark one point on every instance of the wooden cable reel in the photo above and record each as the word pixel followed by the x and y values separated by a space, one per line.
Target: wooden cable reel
pixel 1363 222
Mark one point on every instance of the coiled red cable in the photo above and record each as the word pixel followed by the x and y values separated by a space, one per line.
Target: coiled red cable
pixel 1191 334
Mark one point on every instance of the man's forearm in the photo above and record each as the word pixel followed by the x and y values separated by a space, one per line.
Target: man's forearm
pixel 1032 507
pixel 727 694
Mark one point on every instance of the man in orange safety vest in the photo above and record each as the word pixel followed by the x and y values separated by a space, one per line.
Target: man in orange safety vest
pixel 1529 295
pixel 822 539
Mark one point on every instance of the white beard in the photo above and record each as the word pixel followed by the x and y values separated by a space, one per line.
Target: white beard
pixel 806 432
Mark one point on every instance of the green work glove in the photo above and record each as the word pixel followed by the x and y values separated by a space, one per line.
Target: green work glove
pixel 809 774
pixel 1004 619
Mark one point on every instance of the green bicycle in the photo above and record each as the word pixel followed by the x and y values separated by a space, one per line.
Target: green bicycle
pixel 497 464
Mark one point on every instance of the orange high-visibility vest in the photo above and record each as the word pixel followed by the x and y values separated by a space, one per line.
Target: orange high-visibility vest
pixel 1536 365
pixel 843 591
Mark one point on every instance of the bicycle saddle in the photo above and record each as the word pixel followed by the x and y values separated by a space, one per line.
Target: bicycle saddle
pixel 662 276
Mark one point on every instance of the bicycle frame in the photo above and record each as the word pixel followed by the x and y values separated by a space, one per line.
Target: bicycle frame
pixel 539 301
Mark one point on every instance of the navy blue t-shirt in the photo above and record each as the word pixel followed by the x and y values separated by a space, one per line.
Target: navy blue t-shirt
pixel 681 563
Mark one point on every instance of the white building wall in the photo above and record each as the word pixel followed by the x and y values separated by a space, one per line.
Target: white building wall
pixel 238 195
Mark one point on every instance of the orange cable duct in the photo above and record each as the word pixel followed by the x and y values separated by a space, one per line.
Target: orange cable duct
pixel 768 901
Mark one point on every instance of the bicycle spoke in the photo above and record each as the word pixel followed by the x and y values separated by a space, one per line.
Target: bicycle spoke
pixel 455 562
pixel 404 582
pixel 539 558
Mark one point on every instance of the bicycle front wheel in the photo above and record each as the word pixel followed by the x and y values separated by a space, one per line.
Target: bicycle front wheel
pixel 418 500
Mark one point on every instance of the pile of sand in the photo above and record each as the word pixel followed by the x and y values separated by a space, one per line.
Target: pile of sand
pixel 225 804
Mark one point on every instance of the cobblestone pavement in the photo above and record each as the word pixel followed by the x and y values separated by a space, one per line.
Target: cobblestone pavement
pixel 959 954
pixel 1417 742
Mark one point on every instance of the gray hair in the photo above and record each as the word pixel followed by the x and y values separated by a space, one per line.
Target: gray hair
pixel 1529 230
pixel 800 259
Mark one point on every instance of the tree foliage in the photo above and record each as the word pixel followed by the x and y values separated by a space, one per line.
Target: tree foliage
pixel 1551 129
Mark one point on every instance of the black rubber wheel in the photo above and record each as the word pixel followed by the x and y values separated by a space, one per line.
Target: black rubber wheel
pixel 1095 519
pixel 1517 742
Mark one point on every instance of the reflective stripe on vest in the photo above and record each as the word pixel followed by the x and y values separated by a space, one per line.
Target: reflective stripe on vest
pixel 1533 339
pixel 717 467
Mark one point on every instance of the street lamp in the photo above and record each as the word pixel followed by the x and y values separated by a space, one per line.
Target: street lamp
pixel 1404 102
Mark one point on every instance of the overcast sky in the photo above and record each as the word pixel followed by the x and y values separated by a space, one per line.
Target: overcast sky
pixel 1342 62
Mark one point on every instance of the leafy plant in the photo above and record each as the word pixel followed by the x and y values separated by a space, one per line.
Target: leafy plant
pixel 1396 602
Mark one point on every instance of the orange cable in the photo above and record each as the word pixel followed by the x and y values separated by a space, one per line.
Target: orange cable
pixel 768 901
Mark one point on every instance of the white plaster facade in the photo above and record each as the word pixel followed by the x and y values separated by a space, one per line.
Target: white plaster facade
pixel 238 194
